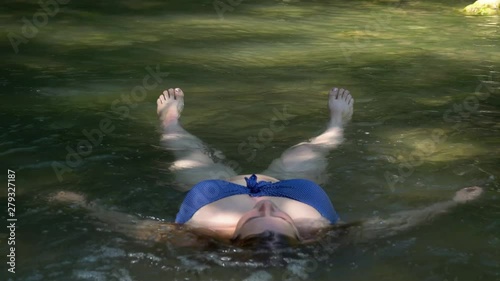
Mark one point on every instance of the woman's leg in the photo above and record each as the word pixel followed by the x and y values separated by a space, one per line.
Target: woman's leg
pixel 193 161
pixel 307 160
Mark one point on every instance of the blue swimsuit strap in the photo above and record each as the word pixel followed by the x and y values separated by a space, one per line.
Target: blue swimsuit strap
pixel 301 190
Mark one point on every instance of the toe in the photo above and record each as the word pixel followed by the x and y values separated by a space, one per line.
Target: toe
pixel 161 98
pixel 334 92
pixel 341 94
pixel 166 95
pixel 171 93
pixel 347 95
pixel 179 92
pixel 349 99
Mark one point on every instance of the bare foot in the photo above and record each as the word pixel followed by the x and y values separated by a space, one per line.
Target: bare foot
pixel 341 106
pixel 170 105
pixel 467 194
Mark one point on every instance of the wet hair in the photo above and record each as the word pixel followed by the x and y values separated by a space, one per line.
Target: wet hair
pixel 267 240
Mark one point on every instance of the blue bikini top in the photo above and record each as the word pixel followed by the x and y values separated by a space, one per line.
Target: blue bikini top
pixel 301 190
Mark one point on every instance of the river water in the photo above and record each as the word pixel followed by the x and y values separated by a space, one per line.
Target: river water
pixel 426 123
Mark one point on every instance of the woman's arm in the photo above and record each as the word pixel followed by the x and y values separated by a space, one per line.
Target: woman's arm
pixel 401 221
pixel 129 225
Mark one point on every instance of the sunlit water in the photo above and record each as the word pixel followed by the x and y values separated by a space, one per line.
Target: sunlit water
pixel 424 126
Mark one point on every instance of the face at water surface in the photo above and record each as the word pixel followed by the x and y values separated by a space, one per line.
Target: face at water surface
pixel 265 216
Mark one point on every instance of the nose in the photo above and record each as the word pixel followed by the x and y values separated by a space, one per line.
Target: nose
pixel 266 208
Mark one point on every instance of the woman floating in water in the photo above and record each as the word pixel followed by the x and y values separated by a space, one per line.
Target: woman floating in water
pixel 282 206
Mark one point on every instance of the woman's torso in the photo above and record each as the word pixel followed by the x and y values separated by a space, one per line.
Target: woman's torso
pixel 222 215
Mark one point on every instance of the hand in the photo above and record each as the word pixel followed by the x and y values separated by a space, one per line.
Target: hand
pixel 467 194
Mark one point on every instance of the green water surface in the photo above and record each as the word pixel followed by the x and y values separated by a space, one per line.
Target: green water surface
pixel 426 123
